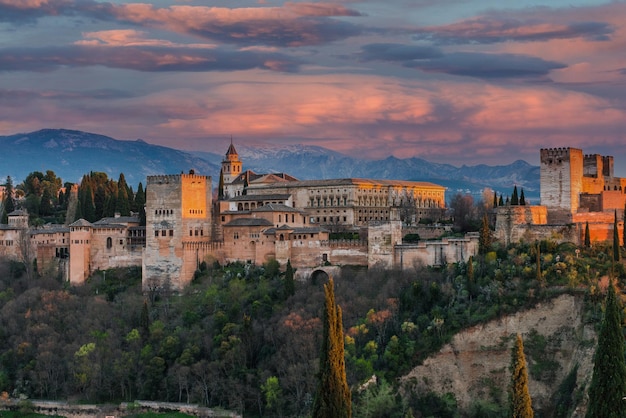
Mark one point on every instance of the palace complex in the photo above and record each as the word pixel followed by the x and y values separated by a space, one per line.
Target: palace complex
pixel 316 225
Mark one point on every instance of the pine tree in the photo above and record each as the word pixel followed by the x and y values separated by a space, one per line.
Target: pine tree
pixel 521 404
pixel 608 384
pixel 616 247
pixel 587 236
pixel 484 239
pixel 514 198
pixel 522 199
pixel 333 398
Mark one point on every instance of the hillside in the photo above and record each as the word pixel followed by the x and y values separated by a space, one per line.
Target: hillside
pixel 70 154
pixel 474 365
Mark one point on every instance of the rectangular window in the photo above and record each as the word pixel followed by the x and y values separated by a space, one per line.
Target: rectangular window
pixel 163 232
pixel 156 233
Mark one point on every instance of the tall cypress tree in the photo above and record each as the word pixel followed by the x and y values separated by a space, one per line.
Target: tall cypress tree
pixel 521 404
pixel 501 201
pixel 333 398
pixel 122 203
pixel 220 187
pixel 616 247
pixel 608 384
pixel 587 236
pixel 495 199
pixel 290 285
pixel 8 204
pixel 514 198
pixel 522 198
pixel 484 239
pixel 624 228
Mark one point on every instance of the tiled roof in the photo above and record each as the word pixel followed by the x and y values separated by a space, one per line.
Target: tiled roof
pixel 275 207
pixel 81 222
pixel 249 222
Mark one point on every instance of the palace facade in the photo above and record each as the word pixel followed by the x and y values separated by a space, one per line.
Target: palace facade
pixel 255 218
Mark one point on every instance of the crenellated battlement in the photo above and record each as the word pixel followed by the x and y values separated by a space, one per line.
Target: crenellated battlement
pixel 557 155
pixel 174 178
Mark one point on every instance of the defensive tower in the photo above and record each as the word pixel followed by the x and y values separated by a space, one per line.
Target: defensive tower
pixel 561 175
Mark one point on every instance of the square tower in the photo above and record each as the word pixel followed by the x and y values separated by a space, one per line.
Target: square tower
pixel 561 175
pixel 178 216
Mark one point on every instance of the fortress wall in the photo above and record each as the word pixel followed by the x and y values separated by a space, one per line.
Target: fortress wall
pixel 561 175
pixel 509 219
pixel 613 200
pixel 435 253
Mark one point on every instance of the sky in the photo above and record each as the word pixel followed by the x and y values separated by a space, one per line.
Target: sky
pixel 451 81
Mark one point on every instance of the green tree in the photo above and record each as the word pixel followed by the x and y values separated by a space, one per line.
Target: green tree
pixel 290 285
pixel 8 204
pixel 514 197
pixel 587 236
pixel 332 398
pixel 616 247
pixel 608 384
pixel 495 199
pixel 46 207
pixel 122 203
pixel 501 201
pixel 521 405
pixel 522 198
pixel 220 187
pixel 485 237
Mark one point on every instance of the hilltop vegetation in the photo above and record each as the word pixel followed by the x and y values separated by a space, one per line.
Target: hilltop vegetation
pixel 238 338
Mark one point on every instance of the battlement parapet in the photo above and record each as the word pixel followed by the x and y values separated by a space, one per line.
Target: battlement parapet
pixel 557 155
pixel 173 178
pixel 203 245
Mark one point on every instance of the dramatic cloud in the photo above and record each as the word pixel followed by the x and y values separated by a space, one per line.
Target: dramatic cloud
pixel 397 52
pixel 488 30
pixel 147 58
pixel 488 65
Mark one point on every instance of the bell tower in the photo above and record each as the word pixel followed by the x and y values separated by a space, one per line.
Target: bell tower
pixel 231 167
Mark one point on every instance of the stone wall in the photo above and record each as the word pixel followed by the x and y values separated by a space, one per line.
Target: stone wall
pixel 512 222
pixel 435 253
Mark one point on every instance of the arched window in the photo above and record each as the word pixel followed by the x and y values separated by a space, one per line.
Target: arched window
pixel 281 238
pixel 109 242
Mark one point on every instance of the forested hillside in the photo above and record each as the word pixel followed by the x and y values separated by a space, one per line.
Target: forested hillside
pixel 243 337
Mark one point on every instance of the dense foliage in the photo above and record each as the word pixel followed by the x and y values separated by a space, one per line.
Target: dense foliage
pixel 608 384
pixel 239 337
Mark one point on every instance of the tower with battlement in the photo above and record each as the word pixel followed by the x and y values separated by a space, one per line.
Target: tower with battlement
pixel 178 214
pixel 561 176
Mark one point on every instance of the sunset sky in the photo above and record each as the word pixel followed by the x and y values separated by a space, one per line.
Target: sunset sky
pixel 456 81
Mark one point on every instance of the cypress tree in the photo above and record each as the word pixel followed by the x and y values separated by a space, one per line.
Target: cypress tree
pixel 484 239
pixel 616 248
pixel 522 198
pixel 514 198
pixel 538 271
pixel 501 201
pixel 608 384
pixel 587 236
pixel 8 204
pixel 122 203
pixel 495 199
pixel 290 286
pixel 332 398
pixel 220 187
pixel 521 404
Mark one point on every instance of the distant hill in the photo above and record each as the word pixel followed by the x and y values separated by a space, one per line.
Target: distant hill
pixel 70 154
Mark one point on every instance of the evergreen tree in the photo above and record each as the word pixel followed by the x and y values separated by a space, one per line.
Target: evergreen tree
pixel 485 238
pixel 46 207
pixel 522 198
pixel 501 201
pixel 333 398
pixel 86 204
pixel 616 247
pixel 495 199
pixel 521 404
pixel 624 228
pixel 8 204
pixel 538 275
pixel 122 203
pixel 290 285
pixel 514 198
pixel 608 384
pixel 220 187
pixel 587 236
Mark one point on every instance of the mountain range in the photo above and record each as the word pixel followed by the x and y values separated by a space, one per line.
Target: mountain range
pixel 70 154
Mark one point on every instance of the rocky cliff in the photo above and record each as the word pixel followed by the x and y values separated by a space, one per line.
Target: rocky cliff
pixel 475 364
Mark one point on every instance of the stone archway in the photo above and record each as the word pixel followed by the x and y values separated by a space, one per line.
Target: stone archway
pixel 319 276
